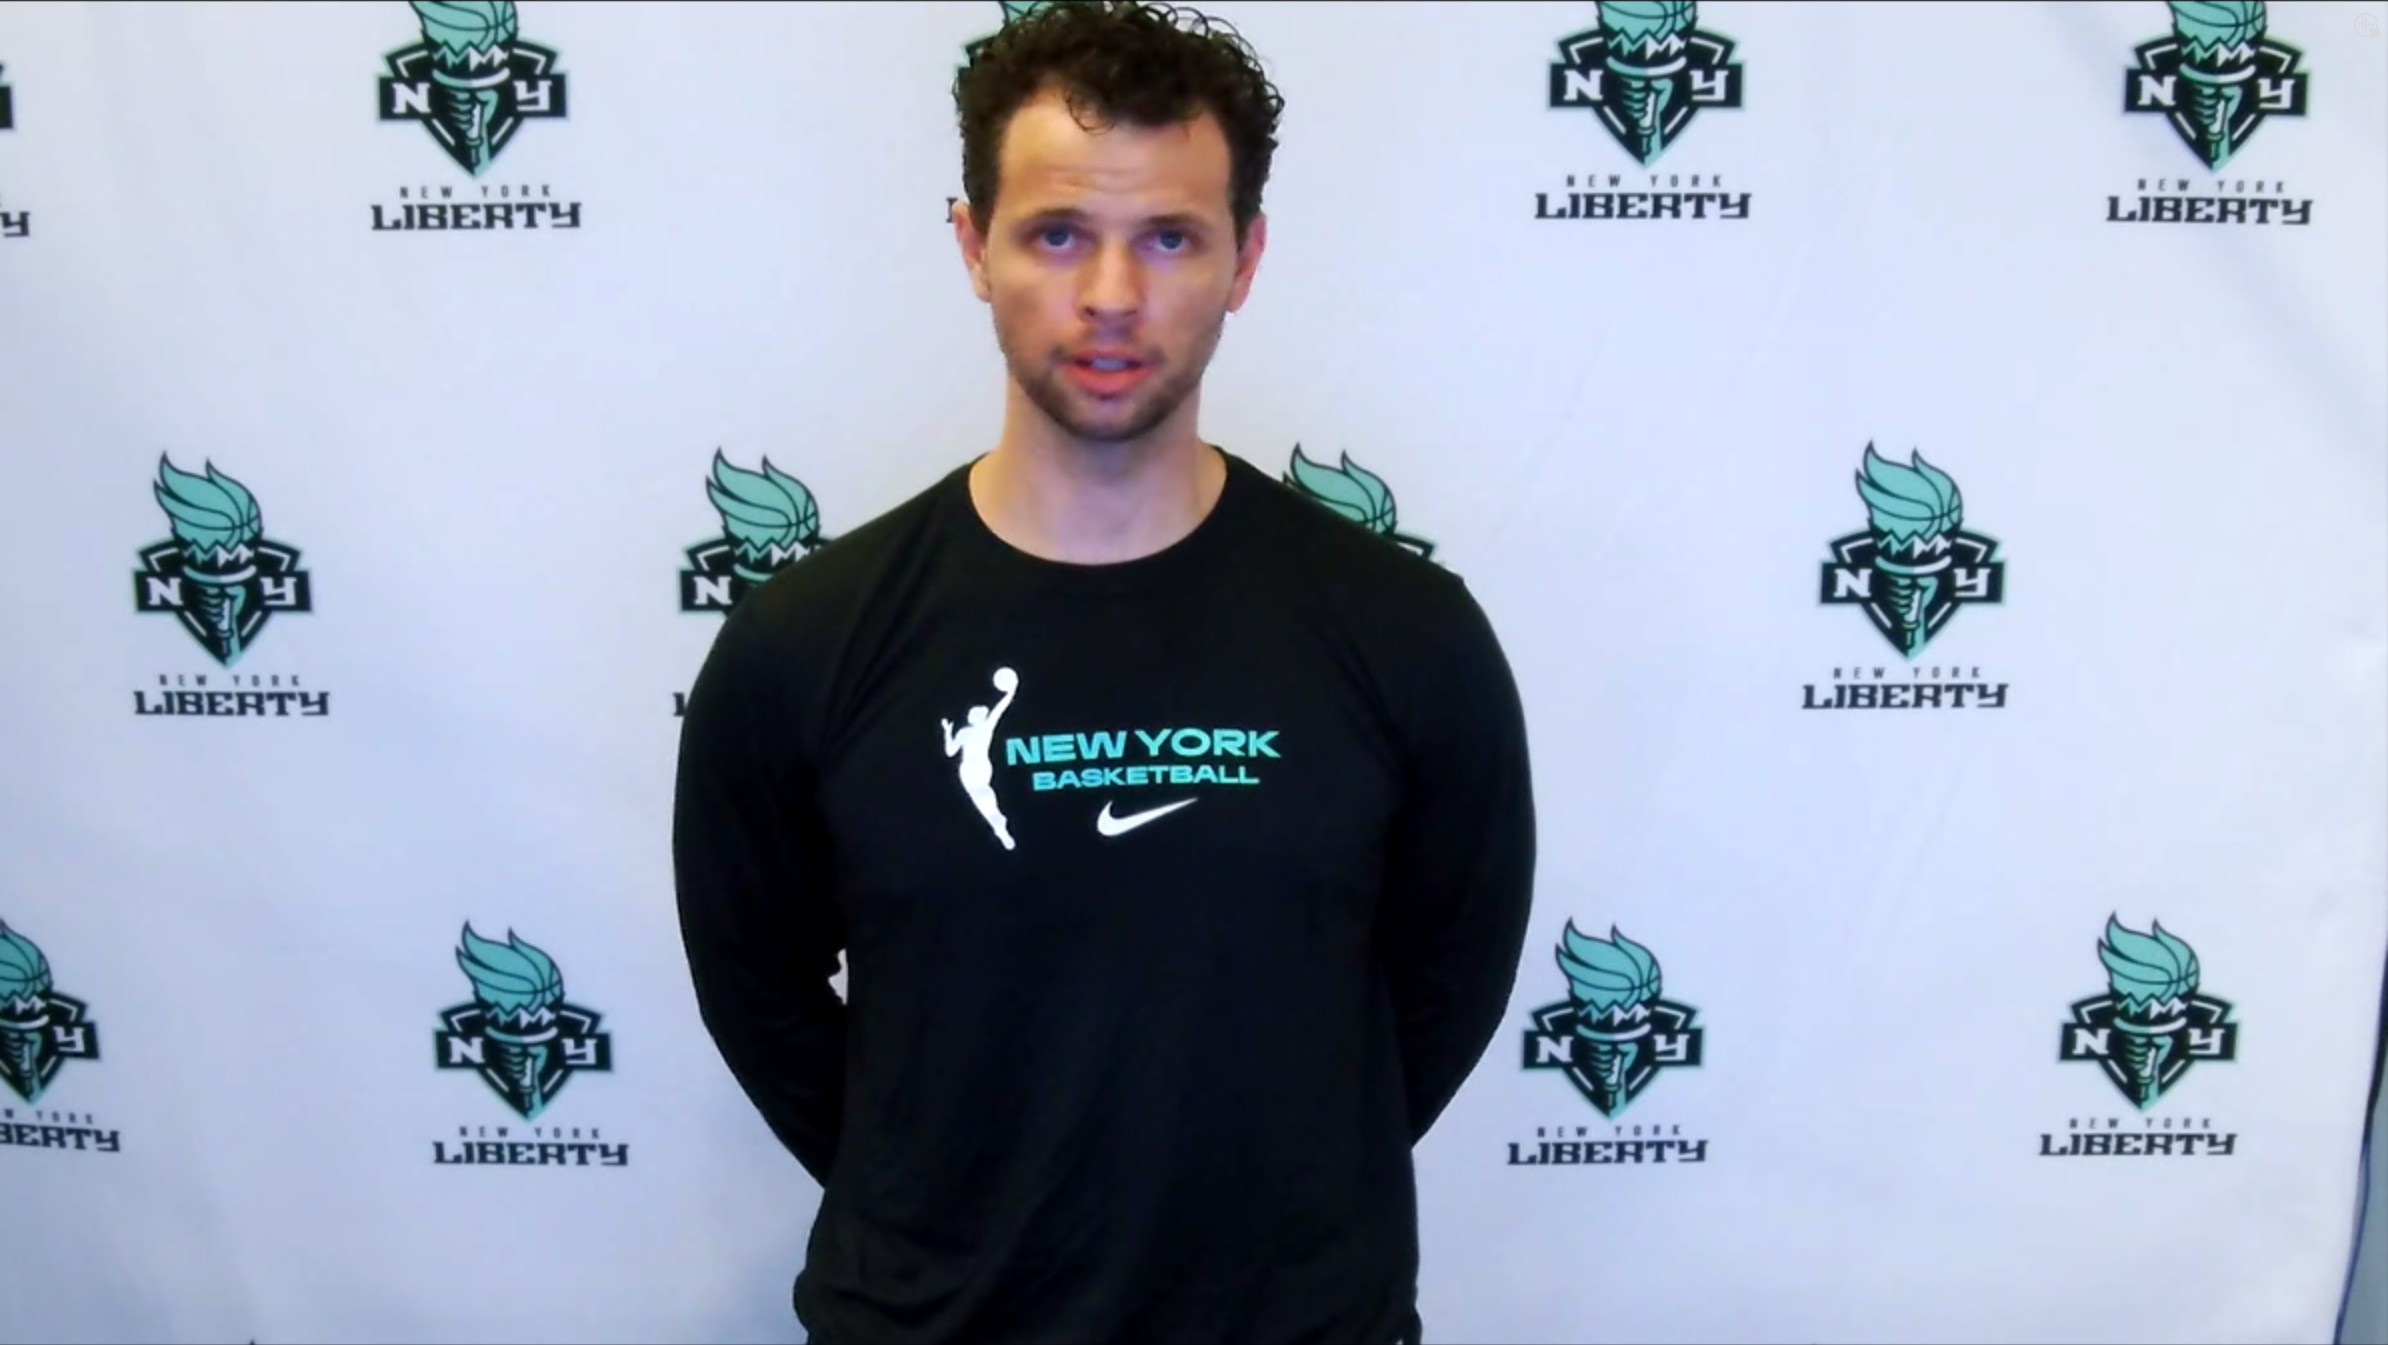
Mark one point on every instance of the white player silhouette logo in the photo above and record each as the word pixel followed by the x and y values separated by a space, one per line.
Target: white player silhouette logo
pixel 976 746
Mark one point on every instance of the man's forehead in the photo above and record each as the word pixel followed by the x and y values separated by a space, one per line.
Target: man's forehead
pixel 1041 181
pixel 1044 132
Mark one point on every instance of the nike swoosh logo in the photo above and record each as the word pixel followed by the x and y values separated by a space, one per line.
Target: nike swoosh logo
pixel 1121 826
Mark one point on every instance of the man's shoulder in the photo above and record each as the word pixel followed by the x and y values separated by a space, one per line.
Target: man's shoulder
pixel 780 648
pixel 845 568
pixel 1403 621
pixel 1329 546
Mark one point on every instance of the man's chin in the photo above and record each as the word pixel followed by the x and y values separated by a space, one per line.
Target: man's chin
pixel 1100 422
pixel 1110 432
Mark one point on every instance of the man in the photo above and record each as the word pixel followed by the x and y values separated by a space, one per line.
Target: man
pixel 1177 833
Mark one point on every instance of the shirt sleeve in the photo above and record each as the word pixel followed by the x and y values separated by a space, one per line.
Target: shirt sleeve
pixel 758 921
pixel 1460 870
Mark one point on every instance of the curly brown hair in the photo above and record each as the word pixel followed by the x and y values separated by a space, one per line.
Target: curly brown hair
pixel 1135 62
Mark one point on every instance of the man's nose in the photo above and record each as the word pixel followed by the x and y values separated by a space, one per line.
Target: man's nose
pixel 1113 284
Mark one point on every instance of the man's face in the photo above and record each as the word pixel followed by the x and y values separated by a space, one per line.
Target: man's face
pixel 1111 265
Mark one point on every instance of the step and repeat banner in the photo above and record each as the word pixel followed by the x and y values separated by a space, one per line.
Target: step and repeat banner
pixel 1925 462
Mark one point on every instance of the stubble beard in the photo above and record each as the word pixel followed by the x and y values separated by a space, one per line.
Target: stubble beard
pixel 1095 423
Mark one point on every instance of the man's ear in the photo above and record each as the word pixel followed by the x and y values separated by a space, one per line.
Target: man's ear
pixel 974 248
pixel 1247 261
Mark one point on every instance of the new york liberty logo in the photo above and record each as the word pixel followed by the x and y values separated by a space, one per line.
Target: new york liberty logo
pixel 1616 1030
pixel 1915 563
pixel 472 81
pixel 40 1029
pixel 1357 494
pixel 2152 1023
pixel 218 574
pixel 2216 76
pixel 518 1032
pixel 768 519
pixel 1645 72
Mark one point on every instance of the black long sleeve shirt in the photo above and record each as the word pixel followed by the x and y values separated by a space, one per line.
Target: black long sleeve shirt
pixel 1178 897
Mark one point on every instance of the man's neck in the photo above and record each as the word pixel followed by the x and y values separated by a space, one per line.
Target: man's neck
pixel 1060 499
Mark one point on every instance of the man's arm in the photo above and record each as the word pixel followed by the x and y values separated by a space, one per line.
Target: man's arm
pixel 750 861
pixel 1460 872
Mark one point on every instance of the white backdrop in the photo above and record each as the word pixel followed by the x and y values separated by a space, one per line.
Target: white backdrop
pixel 239 1039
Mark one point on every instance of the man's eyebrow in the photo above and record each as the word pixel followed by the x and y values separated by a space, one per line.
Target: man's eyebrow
pixel 1060 214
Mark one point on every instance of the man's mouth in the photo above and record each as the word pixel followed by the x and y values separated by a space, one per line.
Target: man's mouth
pixel 1107 374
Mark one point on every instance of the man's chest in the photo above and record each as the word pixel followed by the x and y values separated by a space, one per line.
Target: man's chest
pixel 1005 766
